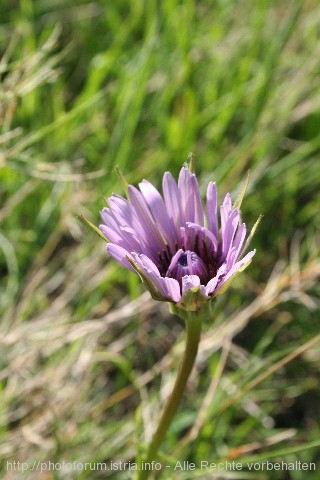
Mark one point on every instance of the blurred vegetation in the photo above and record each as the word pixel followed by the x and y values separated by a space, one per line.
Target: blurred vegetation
pixel 86 356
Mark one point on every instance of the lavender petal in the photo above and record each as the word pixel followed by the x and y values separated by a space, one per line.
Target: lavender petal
pixel 212 208
pixel 163 288
pixel 158 210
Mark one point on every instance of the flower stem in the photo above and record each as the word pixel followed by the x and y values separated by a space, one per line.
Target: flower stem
pixel 193 327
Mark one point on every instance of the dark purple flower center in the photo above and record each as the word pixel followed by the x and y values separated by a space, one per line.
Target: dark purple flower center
pixel 188 263
pixel 183 259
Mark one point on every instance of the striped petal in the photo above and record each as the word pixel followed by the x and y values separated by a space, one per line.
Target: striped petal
pixel 161 288
pixel 159 212
pixel 147 227
pixel 229 232
pixel 190 197
pixel 232 273
pixel 212 284
pixel 212 208
pixel 225 211
pixel 189 282
pixel 120 255
pixel 172 200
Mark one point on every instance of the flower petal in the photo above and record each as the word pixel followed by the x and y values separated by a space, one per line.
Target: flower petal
pixel 147 228
pixel 199 239
pixel 120 255
pixel 197 202
pixel 110 227
pixel 161 288
pixel 194 294
pixel 241 264
pixel 123 210
pixel 229 232
pixel 191 281
pixel 158 210
pixel 237 244
pixel 212 208
pixel 211 286
pixel 225 211
pixel 232 273
pixel 120 233
pixel 190 196
pixel 172 200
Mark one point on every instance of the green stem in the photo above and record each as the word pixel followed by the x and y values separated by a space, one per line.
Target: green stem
pixel 193 327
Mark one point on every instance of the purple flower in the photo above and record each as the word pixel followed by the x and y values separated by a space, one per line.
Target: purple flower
pixel 179 249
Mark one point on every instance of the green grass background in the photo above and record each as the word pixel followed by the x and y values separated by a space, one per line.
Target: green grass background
pixel 86 357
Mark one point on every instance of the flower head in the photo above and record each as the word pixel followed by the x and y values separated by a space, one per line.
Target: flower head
pixel 181 251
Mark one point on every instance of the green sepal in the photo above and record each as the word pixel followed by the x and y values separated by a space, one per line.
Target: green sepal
pixel 87 222
pixel 253 231
pixel 193 299
pixel 238 202
pixel 193 303
pixel 123 181
pixel 191 160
